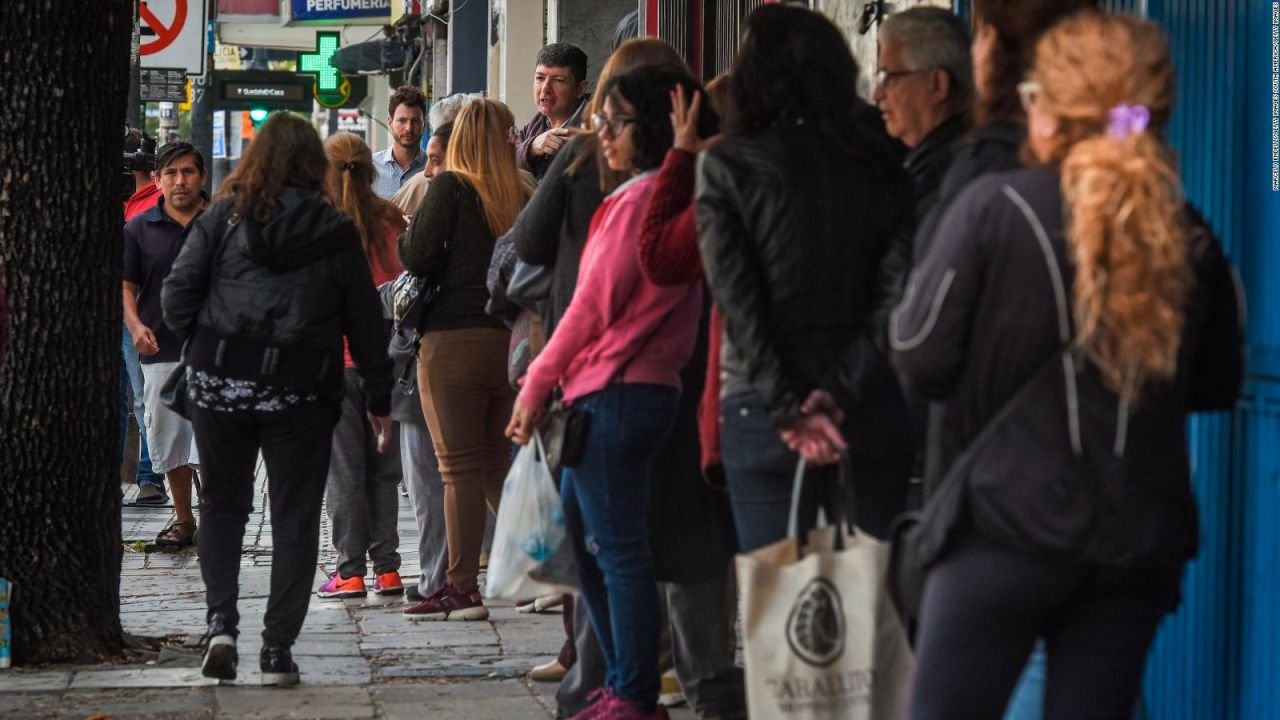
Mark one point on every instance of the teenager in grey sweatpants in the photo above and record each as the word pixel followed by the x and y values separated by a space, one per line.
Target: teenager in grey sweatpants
pixel 426 494
pixel 362 491
pixel 422 481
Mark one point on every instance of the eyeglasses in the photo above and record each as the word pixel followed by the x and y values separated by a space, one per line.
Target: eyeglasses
pixel 1029 92
pixel 884 77
pixel 616 124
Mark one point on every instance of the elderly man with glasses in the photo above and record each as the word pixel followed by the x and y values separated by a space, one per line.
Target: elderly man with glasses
pixel 924 90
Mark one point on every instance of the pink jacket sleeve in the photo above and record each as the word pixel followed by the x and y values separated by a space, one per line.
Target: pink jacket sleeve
pixel 606 280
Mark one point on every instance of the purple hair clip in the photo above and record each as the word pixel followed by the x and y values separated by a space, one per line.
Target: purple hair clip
pixel 1124 120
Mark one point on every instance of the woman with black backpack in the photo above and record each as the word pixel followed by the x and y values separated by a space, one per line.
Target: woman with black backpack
pixel 269 281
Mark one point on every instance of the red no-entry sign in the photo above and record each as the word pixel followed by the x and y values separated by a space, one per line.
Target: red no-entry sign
pixel 164 32
pixel 173 35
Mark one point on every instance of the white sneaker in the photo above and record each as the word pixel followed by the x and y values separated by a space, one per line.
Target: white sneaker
pixel 542 604
pixel 220 659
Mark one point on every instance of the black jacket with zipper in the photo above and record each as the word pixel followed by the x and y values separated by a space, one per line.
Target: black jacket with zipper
pixel 806 251
pixel 552 228
pixel 271 302
pixel 1075 474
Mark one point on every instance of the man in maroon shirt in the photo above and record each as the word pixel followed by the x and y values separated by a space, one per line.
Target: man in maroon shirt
pixel 140 159
pixel 560 89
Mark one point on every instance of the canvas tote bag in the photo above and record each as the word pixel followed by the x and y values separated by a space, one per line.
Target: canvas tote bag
pixel 821 636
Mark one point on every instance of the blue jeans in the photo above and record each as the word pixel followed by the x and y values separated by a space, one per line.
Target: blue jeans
pixel 131 382
pixel 759 471
pixel 606 503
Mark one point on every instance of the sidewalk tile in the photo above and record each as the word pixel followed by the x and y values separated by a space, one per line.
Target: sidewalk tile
pixel 30 681
pixel 303 701
pixel 140 677
pixel 502 700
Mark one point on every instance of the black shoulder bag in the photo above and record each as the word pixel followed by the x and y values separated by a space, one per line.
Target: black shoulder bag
pixel 408 297
pixel 564 432
pixel 918 537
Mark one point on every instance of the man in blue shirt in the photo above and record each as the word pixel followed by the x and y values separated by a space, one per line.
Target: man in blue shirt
pixel 406 116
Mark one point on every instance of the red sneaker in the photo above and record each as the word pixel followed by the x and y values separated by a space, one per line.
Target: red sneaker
pixel 449 604
pixel 622 709
pixel 388 583
pixel 340 587
pixel 598 701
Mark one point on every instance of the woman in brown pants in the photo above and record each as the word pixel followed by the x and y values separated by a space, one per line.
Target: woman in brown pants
pixel 462 364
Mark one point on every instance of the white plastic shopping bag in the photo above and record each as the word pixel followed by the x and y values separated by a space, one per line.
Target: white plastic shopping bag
pixel 530 527
pixel 821 638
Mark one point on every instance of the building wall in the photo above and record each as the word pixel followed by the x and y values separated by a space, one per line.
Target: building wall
pixel 845 14
pixel 588 24
pixel 468 48
pixel 517 33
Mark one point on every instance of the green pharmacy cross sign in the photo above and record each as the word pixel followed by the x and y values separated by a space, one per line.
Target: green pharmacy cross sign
pixel 328 81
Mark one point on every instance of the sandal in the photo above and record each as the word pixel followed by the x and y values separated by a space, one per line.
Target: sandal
pixel 180 533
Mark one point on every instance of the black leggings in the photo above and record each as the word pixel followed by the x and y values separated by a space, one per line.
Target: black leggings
pixel 984 607
pixel 295 445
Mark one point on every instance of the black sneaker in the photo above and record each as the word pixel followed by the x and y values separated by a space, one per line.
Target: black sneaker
pixel 277 666
pixel 220 657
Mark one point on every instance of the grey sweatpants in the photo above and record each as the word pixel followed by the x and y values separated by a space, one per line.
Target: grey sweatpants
pixel 362 492
pixel 703 644
pixel 426 494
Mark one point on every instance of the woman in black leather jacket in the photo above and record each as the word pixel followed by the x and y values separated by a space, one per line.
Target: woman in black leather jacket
pixel 268 282
pixel 804 221
pixel 1070 315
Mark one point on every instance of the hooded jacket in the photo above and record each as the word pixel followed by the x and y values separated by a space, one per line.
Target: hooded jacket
pixel 1075 473
pixel 271 302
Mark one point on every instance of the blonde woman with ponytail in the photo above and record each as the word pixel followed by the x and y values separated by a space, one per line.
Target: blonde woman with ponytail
pixel 462 364
pixel 361 490
pixel 1069 315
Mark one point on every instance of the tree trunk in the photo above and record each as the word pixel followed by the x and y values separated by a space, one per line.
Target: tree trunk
pixel 64 67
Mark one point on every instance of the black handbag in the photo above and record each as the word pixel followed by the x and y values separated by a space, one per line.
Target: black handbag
pixel 564 436
pixel 530 285
pixel 407 299
pixel 918 537
pixel 174 391
pixel 564 432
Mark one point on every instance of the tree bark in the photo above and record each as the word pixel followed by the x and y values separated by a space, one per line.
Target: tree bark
pixel 64 67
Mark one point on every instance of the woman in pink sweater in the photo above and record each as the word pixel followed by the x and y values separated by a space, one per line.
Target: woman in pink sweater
pixel 617 355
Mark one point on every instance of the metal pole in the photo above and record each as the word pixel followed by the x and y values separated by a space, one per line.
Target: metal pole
pixel 133 110
pixel 202 104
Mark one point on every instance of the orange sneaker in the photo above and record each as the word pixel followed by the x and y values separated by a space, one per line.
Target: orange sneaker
pixel 388 583
pixel 340 587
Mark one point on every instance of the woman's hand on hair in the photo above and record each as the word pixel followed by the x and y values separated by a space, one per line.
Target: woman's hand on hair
pixel 684 122
pixel 524 421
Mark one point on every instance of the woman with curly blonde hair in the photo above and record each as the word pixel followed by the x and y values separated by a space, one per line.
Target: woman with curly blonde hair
pixel 1070 315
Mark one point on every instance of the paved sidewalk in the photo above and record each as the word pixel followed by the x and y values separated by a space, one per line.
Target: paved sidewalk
pixel 359 658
